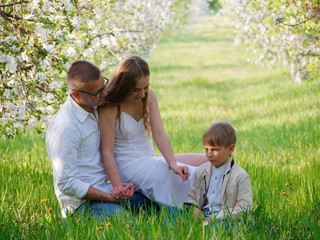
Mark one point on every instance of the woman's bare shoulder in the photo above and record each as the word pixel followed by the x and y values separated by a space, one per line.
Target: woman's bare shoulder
pixel 109 110
pixel 152 96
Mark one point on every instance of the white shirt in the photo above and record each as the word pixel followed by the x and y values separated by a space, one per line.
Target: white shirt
pixel 214 194
pixel 73 145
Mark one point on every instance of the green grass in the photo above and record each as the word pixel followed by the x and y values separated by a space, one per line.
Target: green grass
pixel 199 77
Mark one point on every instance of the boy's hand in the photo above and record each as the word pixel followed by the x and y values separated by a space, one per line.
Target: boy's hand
pixel 207 221
pixel 198 214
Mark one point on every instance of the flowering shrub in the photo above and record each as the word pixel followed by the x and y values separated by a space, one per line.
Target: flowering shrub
pixel 284 30
pixel 41 38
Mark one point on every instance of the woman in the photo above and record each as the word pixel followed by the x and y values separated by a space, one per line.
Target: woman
pixel 126 121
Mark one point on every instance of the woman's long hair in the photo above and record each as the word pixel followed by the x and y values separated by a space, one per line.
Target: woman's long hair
pixel 124 80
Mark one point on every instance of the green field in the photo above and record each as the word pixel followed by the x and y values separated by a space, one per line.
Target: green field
pixel 199 77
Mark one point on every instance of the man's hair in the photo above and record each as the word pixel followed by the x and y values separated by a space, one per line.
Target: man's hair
pixel 83 71
pixel 220 134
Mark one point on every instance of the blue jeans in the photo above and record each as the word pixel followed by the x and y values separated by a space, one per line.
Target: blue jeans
pixel 220 224
pixel 102 210
pixel 172 212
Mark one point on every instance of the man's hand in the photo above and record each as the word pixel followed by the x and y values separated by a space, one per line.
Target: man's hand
pixel 123 191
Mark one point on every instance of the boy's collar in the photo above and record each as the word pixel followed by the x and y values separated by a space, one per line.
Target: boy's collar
pixel 230 164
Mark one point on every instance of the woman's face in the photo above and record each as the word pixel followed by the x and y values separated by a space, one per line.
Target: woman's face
pixel 140 90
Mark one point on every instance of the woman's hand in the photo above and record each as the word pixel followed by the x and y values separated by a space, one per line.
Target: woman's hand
pixel 123 191
pixel 182 171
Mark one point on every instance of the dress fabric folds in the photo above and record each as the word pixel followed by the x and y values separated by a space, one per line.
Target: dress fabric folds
pixel 137 163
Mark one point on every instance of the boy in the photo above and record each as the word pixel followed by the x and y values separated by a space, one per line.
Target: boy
pixel 220 187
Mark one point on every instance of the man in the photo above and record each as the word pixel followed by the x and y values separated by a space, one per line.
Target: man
pixel 73 145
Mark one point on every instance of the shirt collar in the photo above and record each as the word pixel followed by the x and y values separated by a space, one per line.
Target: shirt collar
pixel 229 164
pixel 77 110
pixel 221 169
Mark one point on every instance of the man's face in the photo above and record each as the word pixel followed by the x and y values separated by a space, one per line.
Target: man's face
pixel 87 101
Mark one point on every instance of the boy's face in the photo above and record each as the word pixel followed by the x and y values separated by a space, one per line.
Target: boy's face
pixel 218 155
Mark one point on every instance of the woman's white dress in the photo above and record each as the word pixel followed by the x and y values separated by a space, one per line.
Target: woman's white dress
pixel 138 164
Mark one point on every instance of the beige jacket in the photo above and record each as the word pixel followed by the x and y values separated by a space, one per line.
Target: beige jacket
pixel 236 189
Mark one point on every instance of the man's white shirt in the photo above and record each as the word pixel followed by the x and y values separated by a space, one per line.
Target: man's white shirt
pixel 73 145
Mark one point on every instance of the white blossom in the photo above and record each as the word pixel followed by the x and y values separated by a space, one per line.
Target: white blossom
pixel 41 77
pixel 35 4
pixel 49 48
pixel 116 31
pixel 95 32
pixel 50 97
pixel 88 52
pixel 32 122
pixel 22 111
pixel 103 65
pixel 28 16
pixel 55 85
pixel 45 64
pixel 10 106
pixel 47 6
pixel 113 42
pixel 263 26
pixel 98 13
pixel 71 51
pixel 91 24
pixel 42 32
pixel 104 41
pixel 25 57
pixel 7 93
pixel 10 39
pixel 11 64
pixel 82 4
pixel 3 57
pixel 14 48
pixel 75 21
pixel 96 44
pixel 97 28
pixel 18 125
pixel 65 2
pixel 79 43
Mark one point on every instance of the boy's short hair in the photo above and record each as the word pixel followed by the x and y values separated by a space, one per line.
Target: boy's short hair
pixel 220 134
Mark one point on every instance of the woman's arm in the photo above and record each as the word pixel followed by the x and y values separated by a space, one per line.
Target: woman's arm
pixel 107 123
pixel 192 159
pixel 161 137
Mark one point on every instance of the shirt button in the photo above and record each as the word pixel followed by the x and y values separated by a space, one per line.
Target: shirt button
pixel 215 178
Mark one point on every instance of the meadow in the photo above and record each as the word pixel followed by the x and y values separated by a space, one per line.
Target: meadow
pixel 199 77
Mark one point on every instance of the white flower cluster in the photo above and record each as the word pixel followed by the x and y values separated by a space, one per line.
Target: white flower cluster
pixel 39 39
pixel 279 31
